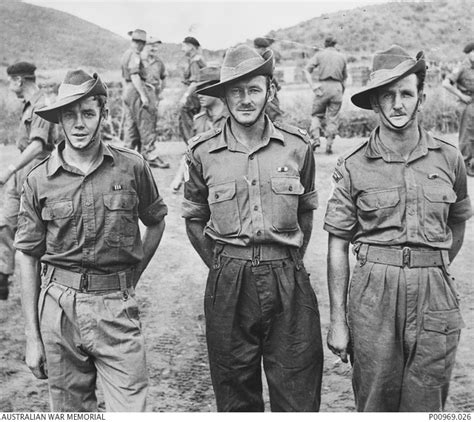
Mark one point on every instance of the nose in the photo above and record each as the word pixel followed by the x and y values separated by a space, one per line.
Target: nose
pixel 78 122
pixel 244 96
pixel 397 101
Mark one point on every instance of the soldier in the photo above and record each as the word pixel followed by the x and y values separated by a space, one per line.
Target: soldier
pixel 35 141
pixel 272 110
pixel 155 69
pixel 401 199
pixel 189 102
pixel 328 89
pixel 79 219
pixel 248 205
pixel 213 114
pixel 461 83
pixel 139 103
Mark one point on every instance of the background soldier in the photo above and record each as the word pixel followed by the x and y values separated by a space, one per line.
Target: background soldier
pixel 155 69
pixel 328 89
pixel 213 114
pixel 273 107
pixel 248 206
pixel 189 102
pixel 79 218
pixel 35 141
pixel 139 103
pixel 401 199
pixel 461 84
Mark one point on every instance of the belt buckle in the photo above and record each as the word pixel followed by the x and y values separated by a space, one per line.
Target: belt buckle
pixel 84 283
pixel 406 256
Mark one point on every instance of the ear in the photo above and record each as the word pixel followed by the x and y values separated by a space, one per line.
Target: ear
pixel 271 92
pixel 105 112
pixel 422 99
pixel 373 101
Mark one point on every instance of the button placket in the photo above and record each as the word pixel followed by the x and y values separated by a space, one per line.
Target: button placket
pixel 255 196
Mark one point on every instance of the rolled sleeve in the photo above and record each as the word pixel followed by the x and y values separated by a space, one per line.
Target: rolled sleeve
pixel 312 64
pixel 39 130
pixel 341 213
pixel 195 204
pixel 134 64
pixel 151 209
pixel 30 236
pixel 194 68
pixel 309 199
pixel 461 210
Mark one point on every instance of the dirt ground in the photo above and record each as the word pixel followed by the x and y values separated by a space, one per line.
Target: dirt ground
pixel 171 297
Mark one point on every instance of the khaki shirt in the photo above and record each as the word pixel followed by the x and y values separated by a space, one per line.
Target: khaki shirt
pixel 202 121
pixel 88 222
pixel 33 127
pixel 251 196
pixel 155 72
pixel 330 64
pixel 132 64
pixel 463 77
pixel 191 72
pixel 381 199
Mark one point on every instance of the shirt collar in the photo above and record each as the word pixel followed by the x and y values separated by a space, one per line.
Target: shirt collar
pixel 377 149
pixel 227 139
pixel 56 160
pixel 33 99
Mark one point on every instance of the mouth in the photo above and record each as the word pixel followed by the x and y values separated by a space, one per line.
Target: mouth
pixel 79 135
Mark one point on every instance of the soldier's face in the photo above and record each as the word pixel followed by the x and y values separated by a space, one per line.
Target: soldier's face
pixel 80 121
pixel 138 45
pixel 206 101
pixel 246 99
pixel 398 101
pixel 15 85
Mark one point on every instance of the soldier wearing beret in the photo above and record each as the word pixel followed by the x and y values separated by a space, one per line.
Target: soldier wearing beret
pixel 401 199
pixel 36 139
pixel 79 220
pixel 331 74
pixel 139 103
pixel 273 109
pixel 249 199
pixel 461 83
pixel 189 102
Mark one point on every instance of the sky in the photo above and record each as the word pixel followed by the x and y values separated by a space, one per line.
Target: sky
pixel 216 24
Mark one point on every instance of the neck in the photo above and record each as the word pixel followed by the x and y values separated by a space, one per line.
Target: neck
pixel 249 135
pixel 401 141
pixel 82 159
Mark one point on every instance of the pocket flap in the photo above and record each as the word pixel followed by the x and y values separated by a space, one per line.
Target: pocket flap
pixel 56 210
pixel 221 192
pixel 120 201
pixel 435 194
pixel 287 185
pixel 444 322
pixel 377 200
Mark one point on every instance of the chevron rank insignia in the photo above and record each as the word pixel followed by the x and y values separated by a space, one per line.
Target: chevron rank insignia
pixel 337 175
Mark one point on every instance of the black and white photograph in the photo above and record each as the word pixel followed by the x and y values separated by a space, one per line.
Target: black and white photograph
pixel 236 206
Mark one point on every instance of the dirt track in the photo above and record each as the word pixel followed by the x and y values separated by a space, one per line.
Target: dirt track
pixel 171 298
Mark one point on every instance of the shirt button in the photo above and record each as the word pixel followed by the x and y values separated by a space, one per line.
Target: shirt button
pixel 254 182
pixel 259 232
pixel 290 188
pixel 216 196
pixel 255 207
pixel 251 157
pixel 88 204
pixel 411 212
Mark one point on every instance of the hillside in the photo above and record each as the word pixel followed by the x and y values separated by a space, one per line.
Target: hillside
pixel 440 28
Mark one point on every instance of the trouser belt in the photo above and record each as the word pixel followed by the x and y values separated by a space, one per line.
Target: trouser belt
pixel 403 257
pixel 255 253
pixel 86 282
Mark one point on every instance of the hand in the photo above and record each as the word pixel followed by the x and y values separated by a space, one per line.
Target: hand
pixel 145 102
pixel 5 174
pixel 35 357
pixel 338 340
pixel 317 89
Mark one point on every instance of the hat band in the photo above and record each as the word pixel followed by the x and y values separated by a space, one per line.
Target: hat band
pixel 383 74
pixel 242 68
pixel 68 90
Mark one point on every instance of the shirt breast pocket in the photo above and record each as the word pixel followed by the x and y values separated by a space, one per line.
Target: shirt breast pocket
pixel 285 197
pixel 61 230
pixel 379 209
pixel 225 215
pixel 437 200
pixel 121 219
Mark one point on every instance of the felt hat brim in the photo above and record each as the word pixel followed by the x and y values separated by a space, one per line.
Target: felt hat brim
pixel 70 95
pixel 383 77
pixel 217 89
